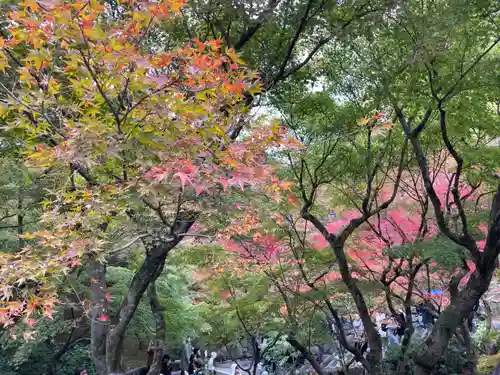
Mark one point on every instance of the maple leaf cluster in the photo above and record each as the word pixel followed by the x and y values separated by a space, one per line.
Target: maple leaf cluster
pixel 398 226
pixel 241 164
pixel 255 245
pixel 131 124
pixel 28 278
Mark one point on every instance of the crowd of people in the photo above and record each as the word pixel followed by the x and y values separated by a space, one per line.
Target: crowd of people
pixel 393 327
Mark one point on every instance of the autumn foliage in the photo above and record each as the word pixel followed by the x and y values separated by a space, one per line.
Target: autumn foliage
pixel 384 251
pixel 125 129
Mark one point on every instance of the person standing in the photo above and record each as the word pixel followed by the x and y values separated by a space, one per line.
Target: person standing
pixel 211 363
pixel 195 362
pixel 234 369
pixel 166 368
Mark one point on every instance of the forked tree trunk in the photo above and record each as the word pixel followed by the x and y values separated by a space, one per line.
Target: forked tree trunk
pixel 460 308
pixel 108 360
pixel 143 277
pixel 449 320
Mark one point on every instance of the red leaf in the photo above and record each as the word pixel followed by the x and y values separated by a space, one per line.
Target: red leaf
pixel 238 180
pixel 87 23
pixel 188 167
pixel 224 182
pixel 75 263
pixel 30 322
pixel 183 177
pixel 47 312
pixel 103 318
pixel 198 188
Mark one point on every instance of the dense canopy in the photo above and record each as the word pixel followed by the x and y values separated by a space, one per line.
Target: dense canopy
pixel 307 186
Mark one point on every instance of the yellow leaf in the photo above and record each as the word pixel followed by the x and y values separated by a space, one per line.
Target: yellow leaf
pixel 115 45
pixel 217 130
pixel 36 42
pixel 96 5
pixel 3 110
pixel 363 121
pixel 4 62
pixel 175 6
pixel 53 86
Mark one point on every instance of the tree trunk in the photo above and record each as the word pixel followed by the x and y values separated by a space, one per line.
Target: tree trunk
pixel 185 353
pixel 448 322
pixel 159 318
pixel 20 219
pixel 307 354
pixel 153 261
pixel 471 367
pixel 256 355
pixel 461 306
pixel 374 356
pixel 98 325
pixel 143 277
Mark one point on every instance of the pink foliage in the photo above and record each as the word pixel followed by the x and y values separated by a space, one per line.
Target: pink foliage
pixel 398 225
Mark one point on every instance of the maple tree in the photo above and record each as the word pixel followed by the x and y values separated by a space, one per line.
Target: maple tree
pixel 392 249
pixel 402 251
pixel 445 95
pixel 137 138
pixel 332 173
pixel 142 141
pixel 442 101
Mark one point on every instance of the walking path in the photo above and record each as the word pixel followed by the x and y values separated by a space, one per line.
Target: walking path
pixel 224 368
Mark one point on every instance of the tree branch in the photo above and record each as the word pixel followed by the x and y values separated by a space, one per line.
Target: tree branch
pixel 300 27
pixel 449 93
pixel 466 237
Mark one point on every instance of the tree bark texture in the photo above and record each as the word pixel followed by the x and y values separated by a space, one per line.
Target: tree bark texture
pixel 98 328
pixel 160 333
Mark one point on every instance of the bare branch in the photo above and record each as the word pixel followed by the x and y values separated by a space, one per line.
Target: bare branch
pixel 466 239
pixel 355 223
pixel 128 244
pixel 450 92
pixel 158 210
pixel 293 42
pixel 86 62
